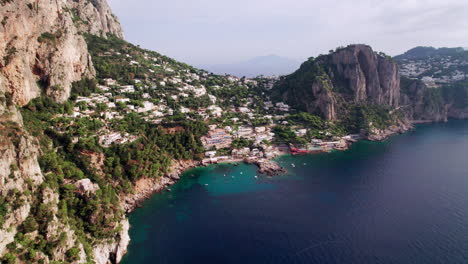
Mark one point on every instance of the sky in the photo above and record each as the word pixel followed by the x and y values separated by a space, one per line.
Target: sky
pixel 201 32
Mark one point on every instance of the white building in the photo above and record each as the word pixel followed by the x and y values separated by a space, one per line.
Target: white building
pixel 127 89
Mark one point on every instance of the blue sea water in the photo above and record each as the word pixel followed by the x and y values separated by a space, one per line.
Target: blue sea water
pixel 400 201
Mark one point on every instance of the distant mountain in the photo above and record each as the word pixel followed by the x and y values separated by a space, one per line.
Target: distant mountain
pixel 425 52
pixel 264 65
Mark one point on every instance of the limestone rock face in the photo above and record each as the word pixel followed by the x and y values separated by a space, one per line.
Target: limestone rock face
pixel 417 104
pixel 421 105
pixel 96 17
pixel 86 186
pixel 372 77
pixel 41 49
pixel 19 171
pixel 113 252
pixel 355 74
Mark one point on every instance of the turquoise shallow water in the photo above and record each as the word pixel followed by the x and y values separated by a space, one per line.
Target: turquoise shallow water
pixel 400 201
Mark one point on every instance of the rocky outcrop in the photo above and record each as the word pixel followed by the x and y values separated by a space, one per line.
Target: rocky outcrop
pixel 269 167
pixel 113 251
pixel 95 17
pixel 41 49
pixel 42 52
pixel 370 77
pixel 145 187
pixel 19 171
pixel 384 134
pixel 421 104
pixel 355 74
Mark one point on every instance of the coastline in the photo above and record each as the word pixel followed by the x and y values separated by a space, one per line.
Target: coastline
pixel 147 187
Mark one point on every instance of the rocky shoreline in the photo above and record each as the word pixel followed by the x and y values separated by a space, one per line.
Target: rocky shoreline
pixel 145 188
pixel 382 135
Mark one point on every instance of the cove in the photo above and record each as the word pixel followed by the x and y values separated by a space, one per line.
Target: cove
pixel 400 201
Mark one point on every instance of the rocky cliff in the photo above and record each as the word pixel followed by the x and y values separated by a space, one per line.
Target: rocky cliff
pixel 42 52
pixel 95 17
pixel 352 75
pixel 423 104
pixel 333 86
pixel 41 49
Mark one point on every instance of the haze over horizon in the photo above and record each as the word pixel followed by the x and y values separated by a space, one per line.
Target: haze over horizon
pixel 221 32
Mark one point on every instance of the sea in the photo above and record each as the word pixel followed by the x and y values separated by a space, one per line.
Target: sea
pixel 404 200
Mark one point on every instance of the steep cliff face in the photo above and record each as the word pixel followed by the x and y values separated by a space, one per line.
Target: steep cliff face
pixel 423 104
pixel 372 78
pixel 95 17
pixel 19 172
pixel 355 74
pixel 41 49
pixel 42 52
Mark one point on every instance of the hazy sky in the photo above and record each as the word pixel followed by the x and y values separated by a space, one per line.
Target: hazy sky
pixel 222 31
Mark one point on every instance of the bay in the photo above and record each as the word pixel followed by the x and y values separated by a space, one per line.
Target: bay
pixel 400 201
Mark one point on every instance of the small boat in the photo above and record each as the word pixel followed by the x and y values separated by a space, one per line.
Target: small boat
pixel 305 164
pixel 242 173
pixel 206 184
pixel 293 165
pixel 256 177
pixel 224 175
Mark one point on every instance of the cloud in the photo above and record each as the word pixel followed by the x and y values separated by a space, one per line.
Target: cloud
pixel 221 31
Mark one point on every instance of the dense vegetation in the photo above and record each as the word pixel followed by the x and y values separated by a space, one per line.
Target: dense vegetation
pixel 65 160
pixel 109 61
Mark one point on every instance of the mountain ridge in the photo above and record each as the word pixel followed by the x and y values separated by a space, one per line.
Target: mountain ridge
pixel 268 65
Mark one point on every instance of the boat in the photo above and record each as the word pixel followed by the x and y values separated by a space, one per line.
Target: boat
pixel 293 165
pixel 296 151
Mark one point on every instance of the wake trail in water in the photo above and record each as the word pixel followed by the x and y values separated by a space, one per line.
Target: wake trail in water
pixel 315 245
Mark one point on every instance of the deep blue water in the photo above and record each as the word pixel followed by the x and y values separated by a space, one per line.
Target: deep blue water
pixel 400 201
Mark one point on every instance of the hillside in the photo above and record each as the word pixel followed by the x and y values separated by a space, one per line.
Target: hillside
pixel 435 82
pixel 352 85
pixel 435 67
pixel 45 217
pixel 91 125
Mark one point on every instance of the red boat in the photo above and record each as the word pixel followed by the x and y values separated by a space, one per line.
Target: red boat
pixel 296 151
